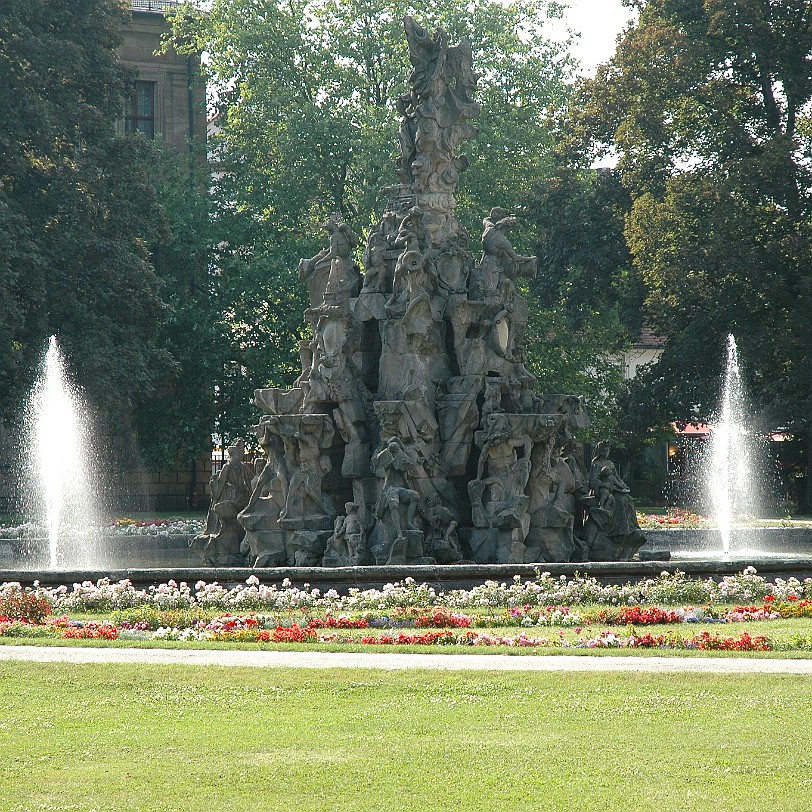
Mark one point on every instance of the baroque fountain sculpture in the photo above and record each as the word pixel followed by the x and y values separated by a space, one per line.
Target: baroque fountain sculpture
pixel 413 434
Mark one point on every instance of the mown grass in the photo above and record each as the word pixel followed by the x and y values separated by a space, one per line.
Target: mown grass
pixel 115 737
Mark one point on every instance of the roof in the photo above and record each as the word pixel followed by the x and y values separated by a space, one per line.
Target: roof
pixel 693 429
pixel 649 339
pixel 155 6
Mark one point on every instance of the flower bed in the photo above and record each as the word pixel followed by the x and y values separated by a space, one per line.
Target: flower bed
pixel 398 599
pixel 408 613
pixel 255 629
pixel 117 527
pixel 414 614
pixel 674 518
pixel 157 527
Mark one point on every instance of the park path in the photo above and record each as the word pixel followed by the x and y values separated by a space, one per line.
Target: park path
pixel 396 662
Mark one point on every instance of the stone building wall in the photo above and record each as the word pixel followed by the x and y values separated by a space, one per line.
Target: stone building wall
pixel 180 120
pixel 179 94
pixel 184 487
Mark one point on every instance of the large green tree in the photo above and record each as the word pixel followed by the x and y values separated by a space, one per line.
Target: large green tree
pixel 77 210
pixel 305 97
pixel 706 106
pixel 587 294
pixel 176 420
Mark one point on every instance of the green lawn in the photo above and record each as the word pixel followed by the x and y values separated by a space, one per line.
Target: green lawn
pixel 116 737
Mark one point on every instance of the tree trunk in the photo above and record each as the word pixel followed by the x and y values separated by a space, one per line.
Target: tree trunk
pixel 805 489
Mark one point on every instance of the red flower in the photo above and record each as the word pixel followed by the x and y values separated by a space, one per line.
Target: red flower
pixel 293 634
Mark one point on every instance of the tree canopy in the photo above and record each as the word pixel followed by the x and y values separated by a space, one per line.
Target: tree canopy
pixel 77 210
pixel 305 99
pixel 706 106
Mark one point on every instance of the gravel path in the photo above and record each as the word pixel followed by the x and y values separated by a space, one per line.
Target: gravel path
pixel 393 662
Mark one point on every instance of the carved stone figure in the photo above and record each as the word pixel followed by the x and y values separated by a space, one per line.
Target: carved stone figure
pixel 493 399
pixel 347 546
pixel 498 500
pixel 306 502
pixel 552 508
pixel 220 544
pixel 332 269
pixel 499 260
pixel 442 540
pixel 611 531
pixel 264 541
pixel 398 503
pixel 375 270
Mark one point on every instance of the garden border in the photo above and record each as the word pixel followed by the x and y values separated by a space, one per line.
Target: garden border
pixel 446 577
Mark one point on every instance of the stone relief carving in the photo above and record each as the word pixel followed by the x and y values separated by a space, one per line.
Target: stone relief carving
pixel 611 532
pixel 347 546
pixel 332 272
pixel 219 545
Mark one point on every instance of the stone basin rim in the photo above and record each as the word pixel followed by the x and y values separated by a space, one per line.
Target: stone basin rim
pixel 323 577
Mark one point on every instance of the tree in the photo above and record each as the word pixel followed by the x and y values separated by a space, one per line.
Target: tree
pixel 76 208
pixel 587 293
pixel 305 95
pixel 706 105
pixel 176 420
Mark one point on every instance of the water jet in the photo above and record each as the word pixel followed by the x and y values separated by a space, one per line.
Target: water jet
pixel 63 489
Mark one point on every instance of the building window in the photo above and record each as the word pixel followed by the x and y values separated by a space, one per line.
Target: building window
pixel 140 116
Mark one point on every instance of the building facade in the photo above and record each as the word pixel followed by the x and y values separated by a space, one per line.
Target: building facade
pixel 168 98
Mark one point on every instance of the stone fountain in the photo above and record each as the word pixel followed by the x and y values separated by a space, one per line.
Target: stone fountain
pixel 413 435
pixel 413 443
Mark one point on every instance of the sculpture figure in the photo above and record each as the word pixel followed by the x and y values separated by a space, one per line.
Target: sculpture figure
pixel 500 263
pixel 375 271
pixel 415 406
pixel 398 503
pixel 552 508
pixel 409 263
pixel 436 110
pixel 611 531
pixel 413 234
pixel 347 546
pixel 492 404
pixel 306 501
pixel 220 544
pixel 442 540
pixel 332 269
pixel 264 541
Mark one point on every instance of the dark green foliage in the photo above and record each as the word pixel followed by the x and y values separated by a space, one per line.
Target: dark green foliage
pixel 177 419
pixel 76 208
pixel 584 263
pixel 706 105
pixel 309 127
pixel 587 297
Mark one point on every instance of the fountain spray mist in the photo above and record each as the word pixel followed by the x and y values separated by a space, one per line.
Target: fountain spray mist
pixel 59 442
pixel 729 478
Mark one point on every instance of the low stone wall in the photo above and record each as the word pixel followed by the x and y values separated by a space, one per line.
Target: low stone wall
pixel 147 560
pixel 444 578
